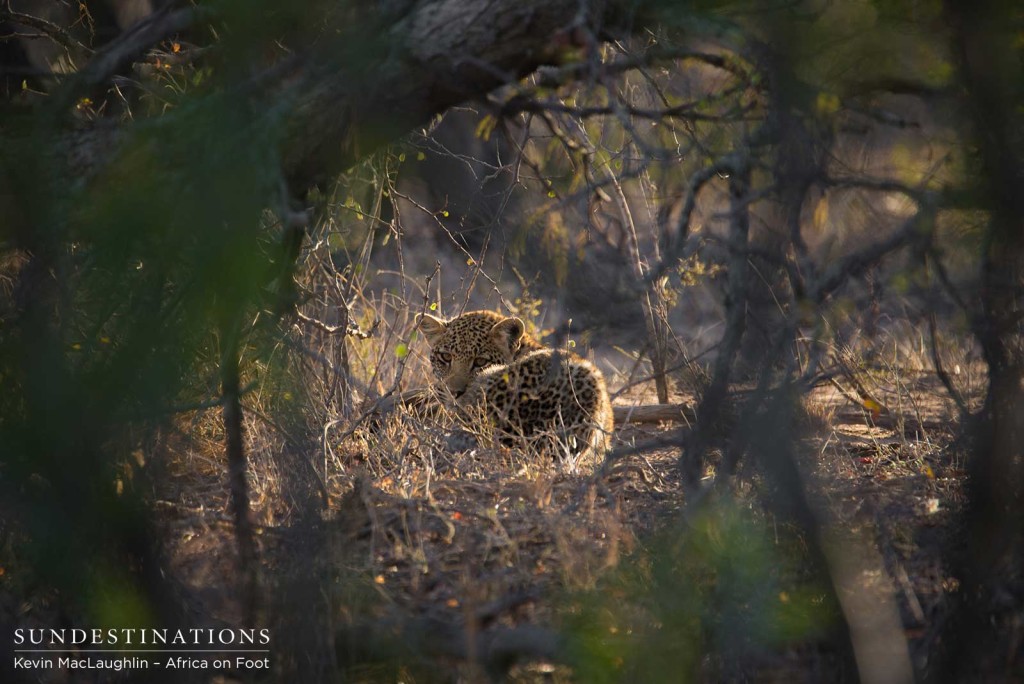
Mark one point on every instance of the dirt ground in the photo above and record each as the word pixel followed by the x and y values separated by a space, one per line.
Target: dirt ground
pixel 454 554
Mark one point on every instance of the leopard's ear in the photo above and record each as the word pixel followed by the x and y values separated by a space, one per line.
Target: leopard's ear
pixel 433 328
pixel 509 333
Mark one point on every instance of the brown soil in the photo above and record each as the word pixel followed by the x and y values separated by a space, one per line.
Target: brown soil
pixel 455 548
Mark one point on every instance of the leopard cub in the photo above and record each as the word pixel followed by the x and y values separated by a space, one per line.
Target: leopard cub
pixel 554 400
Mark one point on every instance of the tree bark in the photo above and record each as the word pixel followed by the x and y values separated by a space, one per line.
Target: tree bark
pixel 709 410
pixel 238 482
pixel 366 80
pixel 990 566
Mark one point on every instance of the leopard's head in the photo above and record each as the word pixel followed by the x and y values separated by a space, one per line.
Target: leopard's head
pixel 462 347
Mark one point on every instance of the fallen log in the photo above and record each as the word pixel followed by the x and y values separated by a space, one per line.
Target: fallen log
pixel 654 413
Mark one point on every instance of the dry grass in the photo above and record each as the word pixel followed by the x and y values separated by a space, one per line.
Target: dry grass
pixel 487 537
pixel 365 522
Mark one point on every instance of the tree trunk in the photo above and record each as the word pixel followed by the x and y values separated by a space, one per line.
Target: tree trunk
pixel 990 566
pixel 412 64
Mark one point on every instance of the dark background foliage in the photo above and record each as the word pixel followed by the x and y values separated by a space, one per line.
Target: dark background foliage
pixel 218 220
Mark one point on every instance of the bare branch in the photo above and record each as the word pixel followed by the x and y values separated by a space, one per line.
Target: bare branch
pixel 940 370
pixel 57 34
pixel 678 232
pixel 352 328
pixel 916 229
pixel 122 50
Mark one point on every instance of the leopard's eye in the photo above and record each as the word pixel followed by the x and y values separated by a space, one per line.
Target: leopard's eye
pixel 444 357
pixel 480 362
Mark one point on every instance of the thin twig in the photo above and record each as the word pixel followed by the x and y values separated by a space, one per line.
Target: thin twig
pixel 940 370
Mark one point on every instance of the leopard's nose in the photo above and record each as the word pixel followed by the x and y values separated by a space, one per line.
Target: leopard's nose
pixel 457 386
